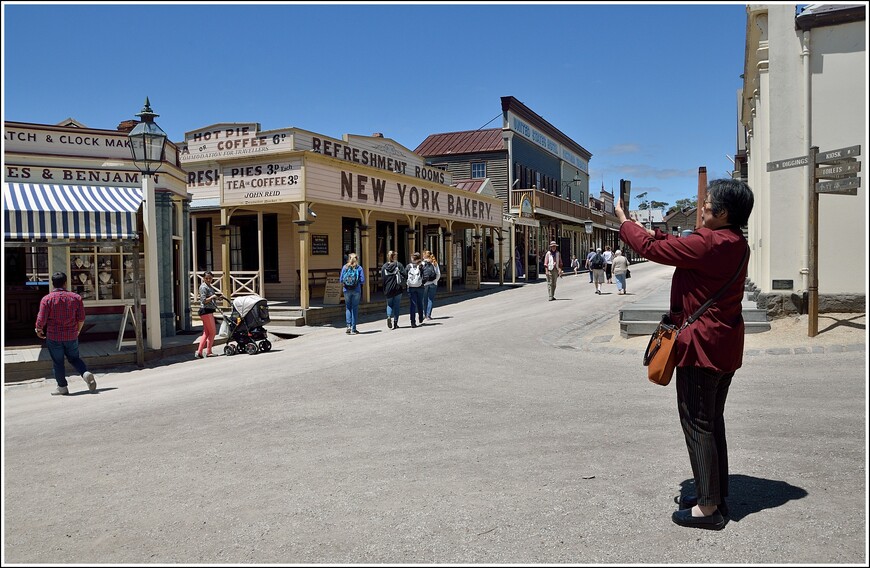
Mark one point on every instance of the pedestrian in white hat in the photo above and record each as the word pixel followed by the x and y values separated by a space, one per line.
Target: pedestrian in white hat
pixel 553 268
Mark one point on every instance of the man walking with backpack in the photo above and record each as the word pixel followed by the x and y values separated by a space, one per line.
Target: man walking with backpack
pixel 596 265
pixel 553 268
pixel 414 276
pixel 588 260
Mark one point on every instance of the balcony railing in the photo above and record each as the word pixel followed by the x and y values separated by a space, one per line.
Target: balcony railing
pixel 545 202
pixel 241 283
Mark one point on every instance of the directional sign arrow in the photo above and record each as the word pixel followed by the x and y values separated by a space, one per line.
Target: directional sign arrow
pixel 839 186
pixel 789 163
pixel 839 170
pixel 834 155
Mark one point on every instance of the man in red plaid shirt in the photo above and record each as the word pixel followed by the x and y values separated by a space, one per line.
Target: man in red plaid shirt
pixel 61 317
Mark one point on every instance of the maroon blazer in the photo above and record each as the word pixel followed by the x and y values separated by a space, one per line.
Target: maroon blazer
pixel 704 261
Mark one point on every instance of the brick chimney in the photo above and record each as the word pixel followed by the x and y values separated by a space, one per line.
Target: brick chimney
pixel 127 125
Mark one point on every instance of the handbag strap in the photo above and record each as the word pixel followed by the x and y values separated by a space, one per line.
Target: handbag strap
pixel 715 297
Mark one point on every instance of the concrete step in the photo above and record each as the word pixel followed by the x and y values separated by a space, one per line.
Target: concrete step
pixel 637 312
pixel 632 328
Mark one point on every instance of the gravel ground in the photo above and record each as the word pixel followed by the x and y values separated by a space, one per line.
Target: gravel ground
pixel 785 333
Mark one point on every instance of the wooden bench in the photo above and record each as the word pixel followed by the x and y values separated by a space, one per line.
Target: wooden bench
pixel 375 280
pixel 318 276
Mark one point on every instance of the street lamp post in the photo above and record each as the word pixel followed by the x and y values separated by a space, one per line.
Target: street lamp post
pixel 577 179
pixel 146 144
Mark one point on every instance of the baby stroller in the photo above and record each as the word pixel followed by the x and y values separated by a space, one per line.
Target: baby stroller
pixel 245 331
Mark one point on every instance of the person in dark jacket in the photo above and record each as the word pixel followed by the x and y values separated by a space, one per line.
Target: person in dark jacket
pixel 710 349
pixel 393 275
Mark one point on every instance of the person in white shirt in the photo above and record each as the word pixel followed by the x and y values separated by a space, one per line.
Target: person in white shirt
pixel 553 268
pixel 608 264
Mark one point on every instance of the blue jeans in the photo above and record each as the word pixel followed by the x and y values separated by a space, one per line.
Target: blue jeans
pixel 351 307
pixel 64 349
pixel 429 295
pixel 415 295
pixel 393 305
pixel 620 281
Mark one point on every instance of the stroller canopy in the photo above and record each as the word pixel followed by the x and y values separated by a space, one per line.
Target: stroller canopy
pixel 253 309
pixel 244 304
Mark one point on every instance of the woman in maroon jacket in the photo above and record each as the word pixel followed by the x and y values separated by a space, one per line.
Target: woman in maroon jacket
pixel 710 349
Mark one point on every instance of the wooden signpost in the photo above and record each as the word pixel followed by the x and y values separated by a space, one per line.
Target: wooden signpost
pixel 839 171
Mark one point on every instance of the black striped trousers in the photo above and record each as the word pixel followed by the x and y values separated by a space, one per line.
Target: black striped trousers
pixel 701 395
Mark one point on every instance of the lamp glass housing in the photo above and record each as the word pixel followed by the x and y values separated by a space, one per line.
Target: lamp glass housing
pixel 147 141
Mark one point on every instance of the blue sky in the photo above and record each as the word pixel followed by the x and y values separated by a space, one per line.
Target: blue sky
pixel 648 89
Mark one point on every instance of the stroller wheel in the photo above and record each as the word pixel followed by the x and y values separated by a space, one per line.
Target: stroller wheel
pixel 251 348
pixel 265 345
pixel 230 349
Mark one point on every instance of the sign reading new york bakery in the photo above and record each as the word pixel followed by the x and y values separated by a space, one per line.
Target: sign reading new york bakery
pixel 293 165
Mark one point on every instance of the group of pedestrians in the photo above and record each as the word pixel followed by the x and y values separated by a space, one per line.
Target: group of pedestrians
pixel 419 278
pixel 707 290
pixel 605 266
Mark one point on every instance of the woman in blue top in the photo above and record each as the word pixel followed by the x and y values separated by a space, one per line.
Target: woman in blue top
pixel 352 278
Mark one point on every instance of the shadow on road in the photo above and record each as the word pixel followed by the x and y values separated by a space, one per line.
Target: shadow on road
pixel 748 495
pixel 845 322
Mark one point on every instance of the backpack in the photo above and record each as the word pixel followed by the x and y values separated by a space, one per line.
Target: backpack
pixel 414 277
pixel 597 261
pixel 429 273
pixel 351 277
pixel 393 281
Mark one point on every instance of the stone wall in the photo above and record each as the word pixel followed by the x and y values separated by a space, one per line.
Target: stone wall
pixel 783 304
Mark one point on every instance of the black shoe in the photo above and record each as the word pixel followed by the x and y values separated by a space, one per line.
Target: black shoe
pixel 684 518
pixel 389 323
pixel 396 324
pixel 413 324
pixel 689 501
pixel 348 331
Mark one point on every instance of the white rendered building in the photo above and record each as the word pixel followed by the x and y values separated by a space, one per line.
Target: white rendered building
pixel 805 85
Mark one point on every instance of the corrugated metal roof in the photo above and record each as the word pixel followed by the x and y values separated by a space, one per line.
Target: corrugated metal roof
pixel 205 203
pixel 819 15
pixel 470 185
pixel 467 142
pixel 648 215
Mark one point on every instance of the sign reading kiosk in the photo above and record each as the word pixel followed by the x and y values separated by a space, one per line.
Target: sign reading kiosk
pixel 841 169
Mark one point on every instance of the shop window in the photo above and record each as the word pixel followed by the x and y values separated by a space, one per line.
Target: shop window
pixel 478 170
pixel 270 247
pixel 204 258
pixel 350 239
pixel 104 272
pixel 236 257
pixel 26 266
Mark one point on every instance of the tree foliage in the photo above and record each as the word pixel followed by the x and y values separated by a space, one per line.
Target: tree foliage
pixel 682 204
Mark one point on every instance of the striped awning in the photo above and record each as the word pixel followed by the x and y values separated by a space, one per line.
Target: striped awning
pixel 32 210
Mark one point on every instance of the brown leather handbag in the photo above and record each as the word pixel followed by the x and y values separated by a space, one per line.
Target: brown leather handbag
pixel 660 357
